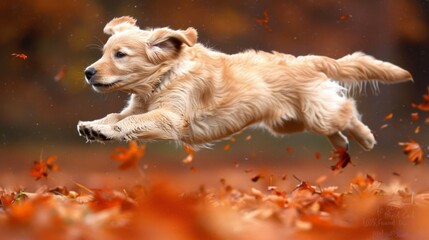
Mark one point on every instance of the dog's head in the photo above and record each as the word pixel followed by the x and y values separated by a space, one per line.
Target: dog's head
pixel 134 57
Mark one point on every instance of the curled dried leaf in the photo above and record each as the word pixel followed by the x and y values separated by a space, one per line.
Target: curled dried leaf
pixel 341 155
pixel 413 151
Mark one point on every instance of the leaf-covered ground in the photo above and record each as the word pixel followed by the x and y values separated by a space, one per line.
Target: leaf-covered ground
pixel 365 209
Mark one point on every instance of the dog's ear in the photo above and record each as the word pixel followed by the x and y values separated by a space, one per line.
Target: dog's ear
pixel 120 24
pixel 165 43
pixel 165 37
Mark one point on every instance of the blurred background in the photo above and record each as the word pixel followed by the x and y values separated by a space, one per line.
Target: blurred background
pixel 44 96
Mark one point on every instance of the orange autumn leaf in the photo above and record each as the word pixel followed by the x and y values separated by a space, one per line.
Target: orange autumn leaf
pixel 7 200
pixel 20 55
pixel 129 157
pixel 306 186
pixel 343 158
pixel 415 116
pixel 249 137
pixel 417 130
pixel 425 105
pixel 362 182
pixel 345 17
pixel 413 150
pixel 388 116
pixel 289 149
pixel 321 179
pixel 50 163
pixel 227 147
pixel 190 151
pixel 39 170
pixel 427 120
pixel 61 73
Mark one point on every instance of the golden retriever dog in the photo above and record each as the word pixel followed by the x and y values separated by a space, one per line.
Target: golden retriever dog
pixel 185 92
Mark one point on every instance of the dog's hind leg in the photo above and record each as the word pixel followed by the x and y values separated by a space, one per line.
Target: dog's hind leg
pixel 361 133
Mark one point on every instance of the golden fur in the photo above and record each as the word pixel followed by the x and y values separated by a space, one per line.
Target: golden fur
pixel 186 92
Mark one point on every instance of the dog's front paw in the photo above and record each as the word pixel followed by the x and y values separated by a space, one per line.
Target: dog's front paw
pixel 97 132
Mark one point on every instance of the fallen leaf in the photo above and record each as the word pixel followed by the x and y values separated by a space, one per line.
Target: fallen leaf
pixel 425 105
pixel 256 178
pixel 417 130
pixel 306 186
pixel 7 200
pixel 227 147
pixel 39 170
pixel 289 149
pixel 345 17
pixel 388 116
pixel 129 157
pixel 20 55
pixel 50 163
pixel 249 137
pixel 343 158
pixel 413 151
pixel 384 126
pixel 415 116
pixel 61 73
pixel 321 179
pixel 190 151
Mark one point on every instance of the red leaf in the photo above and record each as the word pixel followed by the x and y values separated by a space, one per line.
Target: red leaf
pixel 39 170
pixel 20 55
pixel 61 73
pixel 345 17
pixel 343 158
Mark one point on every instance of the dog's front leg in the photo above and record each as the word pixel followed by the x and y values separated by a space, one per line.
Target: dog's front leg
pixel 157 124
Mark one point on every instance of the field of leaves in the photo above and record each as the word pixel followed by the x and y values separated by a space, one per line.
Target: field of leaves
pixel 155 207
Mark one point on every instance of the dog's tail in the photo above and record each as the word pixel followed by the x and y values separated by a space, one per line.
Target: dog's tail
pixel 357 67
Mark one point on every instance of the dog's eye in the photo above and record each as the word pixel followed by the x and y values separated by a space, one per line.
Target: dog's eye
pixel 120 54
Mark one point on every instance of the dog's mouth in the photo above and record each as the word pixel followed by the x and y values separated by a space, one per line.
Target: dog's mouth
pixel 104 86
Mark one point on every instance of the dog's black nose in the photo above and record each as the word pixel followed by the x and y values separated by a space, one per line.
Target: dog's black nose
pixel 90 72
